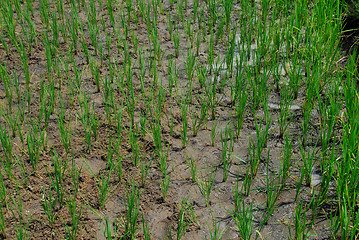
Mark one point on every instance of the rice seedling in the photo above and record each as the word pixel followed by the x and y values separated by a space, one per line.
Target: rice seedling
pixel 48 205
pixel 176 41
pixel 215 233
pixel 58 178
pixel 17 208
pixel 190 66
pixel 21 231
pixel 308 158
pixel 228 6
pixel 104 187
pixel 206 185
pixel 192 165
pixel 240 107
pixel 201 119
pixel 284 112
pixel 165 182
pixel 145 229
pixel 33 146
pixel 211 94
pixel 108 233
pixel 307 111
pixel 95 73
pixel 286 161
pixel 163 157
pixel 273 189
pixel 75 174
pixel 300 223
pixel 134 146
pixel 254 160
pixel 45 11
pixel 145 165
pixel 247 182
pixel 6 143
pixel 132 202
pixel 262 134
pixel 65 132
pixel 327 177
pixel 243 216
pixel 75 213
pixel 226 153
pixel 2 224
pixel 329 113
pixel 214 132
pixel 118 167
pixel 183 221
pixel 184 129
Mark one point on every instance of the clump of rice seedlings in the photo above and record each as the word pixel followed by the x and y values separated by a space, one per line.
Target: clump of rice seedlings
pixel 286 161
pixel 240 108
pixel 308 158
pixel 176 42
pixel 214 132
pixel 3 194
pixel 190 66
pixel 284 110
pixel 145 166
pixel 165 182
pixel 256 148
pixel 202 118
pixel 135 147
pixel 226 152
pixel 307 111
pixel 75 213
pixel 95 73
pixel 58 178
pixel 65 131
pixel 247 182
pixel 2 224
pixel 184 110
pixel 132 202
pixel 103 184
pixel 211 94
pixel 163 157
pixel 300 231
pixel 17 211
pixel 108 232
pixel 206 185
pixel 33 146
pixel 243 215
pixel 228 6
pixel 273 189
pixel 48 205
pixel 215 233
pixel 329 113
pixel 327 177
pixel 75 174
pixel 192 165
pixel 185 218
pixel 145 229
pixel 6 144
